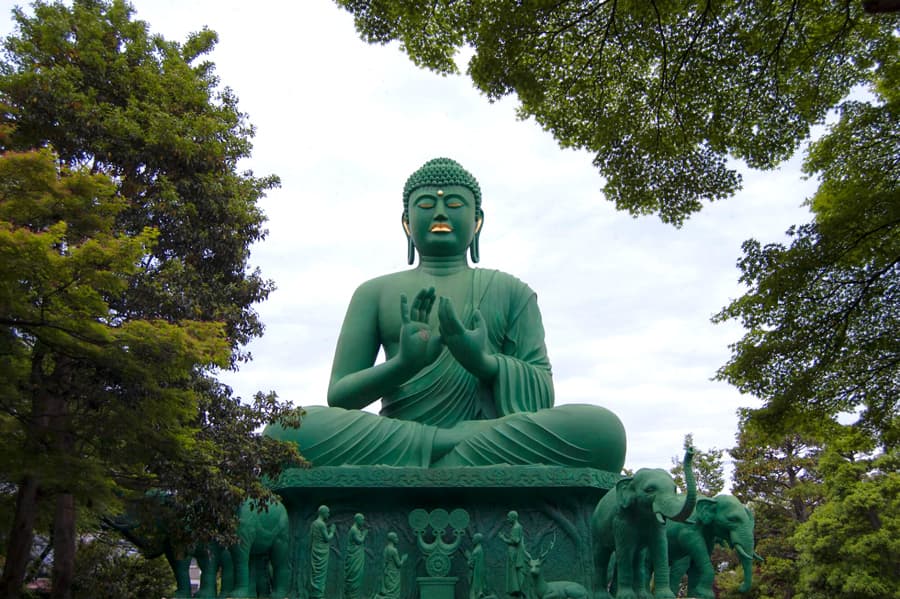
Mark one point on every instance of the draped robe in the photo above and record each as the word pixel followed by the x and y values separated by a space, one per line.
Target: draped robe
pixel 509 421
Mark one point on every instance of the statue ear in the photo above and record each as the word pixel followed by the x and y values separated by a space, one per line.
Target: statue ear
pixel 404 220
pixel 705 510
pixel 474 251
pixel 625 493
pixel 410 246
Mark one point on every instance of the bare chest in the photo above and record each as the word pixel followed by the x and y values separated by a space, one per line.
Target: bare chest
pixel 457 287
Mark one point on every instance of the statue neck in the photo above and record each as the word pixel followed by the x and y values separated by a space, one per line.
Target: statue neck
pixel 443 265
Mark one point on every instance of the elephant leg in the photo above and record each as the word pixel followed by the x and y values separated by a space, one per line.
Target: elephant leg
pixel 601 572
pixel 281 572
pixel 208 562
pixel 642 575
pixel 677 570
pixel 181 569
pixel 240 558
pixel 626 557
pixel 658 548
pixel 700 580
pixel 227 587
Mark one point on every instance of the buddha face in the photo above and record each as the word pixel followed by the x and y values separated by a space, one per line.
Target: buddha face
pixel 442 220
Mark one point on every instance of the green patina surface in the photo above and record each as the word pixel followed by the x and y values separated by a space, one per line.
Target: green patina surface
pixel 466 380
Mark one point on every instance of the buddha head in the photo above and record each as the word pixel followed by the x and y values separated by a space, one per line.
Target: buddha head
pixel 442 213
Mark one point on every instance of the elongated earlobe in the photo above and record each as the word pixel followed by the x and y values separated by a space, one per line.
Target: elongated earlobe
pixel 410 246
pixel 474 252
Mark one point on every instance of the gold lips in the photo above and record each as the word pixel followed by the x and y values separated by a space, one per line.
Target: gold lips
pixel 441 228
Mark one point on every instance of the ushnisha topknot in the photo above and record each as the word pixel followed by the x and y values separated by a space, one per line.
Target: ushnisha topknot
pixel 439 172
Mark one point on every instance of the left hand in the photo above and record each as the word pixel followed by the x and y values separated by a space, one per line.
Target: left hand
pixel 468 346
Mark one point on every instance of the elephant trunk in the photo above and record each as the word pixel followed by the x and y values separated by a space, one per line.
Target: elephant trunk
pixel 690 499
pixel 747 565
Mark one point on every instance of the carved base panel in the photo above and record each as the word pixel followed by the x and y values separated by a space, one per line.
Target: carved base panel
pixel 435 515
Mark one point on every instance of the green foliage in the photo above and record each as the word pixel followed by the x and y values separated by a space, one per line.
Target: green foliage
pixel 103 92
pixel 124 284
pixel 780 481
pixel 709 471
pixel 109 569
pixel 849 545
pixel 823 315
pixel 664 92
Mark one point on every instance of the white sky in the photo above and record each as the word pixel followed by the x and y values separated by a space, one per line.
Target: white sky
pixel 626 302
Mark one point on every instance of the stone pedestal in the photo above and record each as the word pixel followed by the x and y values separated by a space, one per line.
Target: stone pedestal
pixel 437 587
pixel 552 503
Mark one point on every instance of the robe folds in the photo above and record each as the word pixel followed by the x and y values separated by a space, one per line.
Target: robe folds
pixel 509 421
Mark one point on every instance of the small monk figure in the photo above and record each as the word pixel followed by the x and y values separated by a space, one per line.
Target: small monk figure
pixel 391 580
pixel 515 556
pixel 466 380
pixel 321 535
pixel 477 568
pixel 355 558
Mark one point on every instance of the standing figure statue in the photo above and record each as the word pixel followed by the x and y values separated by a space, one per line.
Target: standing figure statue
pixel 466 379
pixel 475 561
pixel 515 556
pixel 321 535
pixel 393 562
pixel 355 558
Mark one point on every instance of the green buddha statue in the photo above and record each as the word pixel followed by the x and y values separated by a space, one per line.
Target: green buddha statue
pixel 466 380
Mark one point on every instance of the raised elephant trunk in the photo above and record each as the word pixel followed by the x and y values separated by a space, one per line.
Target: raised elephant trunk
pixel 684 511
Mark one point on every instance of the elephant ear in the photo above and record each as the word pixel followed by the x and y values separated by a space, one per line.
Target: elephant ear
pixel 625 493
pixel 705 512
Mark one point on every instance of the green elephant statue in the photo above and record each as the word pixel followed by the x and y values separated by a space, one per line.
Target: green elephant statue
pixel 722 519
pixel 263 537
pixel 631 518
pixel 155 541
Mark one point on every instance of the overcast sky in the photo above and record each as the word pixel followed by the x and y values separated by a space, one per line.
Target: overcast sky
pixel 626 302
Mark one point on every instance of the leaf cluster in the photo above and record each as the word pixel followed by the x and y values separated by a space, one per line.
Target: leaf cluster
pixel 849 545
pixel 125 228
pixel 108 568
pixel 97 87
pixel 823 314
pixel 779 481
pixel 664 92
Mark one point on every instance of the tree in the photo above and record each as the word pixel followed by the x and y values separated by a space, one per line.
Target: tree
pixel 823 315
pixel 849 545
pixel 124 233
pixel 780 481
pixel 708 469
pixel 663 92
pixel 64 362
pixel 107 567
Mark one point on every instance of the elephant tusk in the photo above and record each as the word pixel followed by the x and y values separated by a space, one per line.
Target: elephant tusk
pixel 758 557
pixel 660 518
pixel 742 552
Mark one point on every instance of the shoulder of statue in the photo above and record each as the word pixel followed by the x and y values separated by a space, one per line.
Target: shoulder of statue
pixel 508 285
pixel 501 277
pixel 378 284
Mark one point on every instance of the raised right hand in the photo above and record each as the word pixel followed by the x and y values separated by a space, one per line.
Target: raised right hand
pixel 419 344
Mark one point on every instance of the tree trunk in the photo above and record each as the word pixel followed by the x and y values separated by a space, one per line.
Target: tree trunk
pixel 18 550
pixel 63 547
